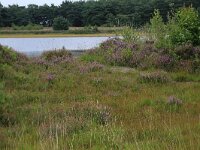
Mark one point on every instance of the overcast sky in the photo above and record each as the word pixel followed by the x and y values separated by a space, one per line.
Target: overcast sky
pixel 26 2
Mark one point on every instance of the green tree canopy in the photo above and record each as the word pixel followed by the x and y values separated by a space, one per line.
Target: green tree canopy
pixel 60 23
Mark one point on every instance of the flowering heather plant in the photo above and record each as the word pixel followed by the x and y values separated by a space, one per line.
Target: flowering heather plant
pixel 117 44
pixel 65 127
pixel 83 69
pixel 51 58
pixel 197 51
pixel 99 113
pixel 90 67
pixel 116 51
pixel 136 59
pixel 115 58
pixel 40 61
pixel 94 66
pixel 165 62
pixel 113 42
pixel 172 100
pixel 9 56
pixel 57 56
pixel 56 53
pixel 154 77
pixel 63 59
pixel 186 51
pixel 48 77
pixel 185 65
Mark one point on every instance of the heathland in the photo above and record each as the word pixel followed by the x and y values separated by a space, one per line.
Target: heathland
pixel 129 93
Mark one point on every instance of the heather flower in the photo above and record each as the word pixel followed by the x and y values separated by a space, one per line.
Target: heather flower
pixel 94 66
pixel 61 127
pixel 165 62
pixel 185 51
pixel 10 56
pixel 172 100
pixel 185 65
pixel 154 77
pixel 83 69
pixel 197 52
pixel 49 77
pixel 55 57
pixel 91 110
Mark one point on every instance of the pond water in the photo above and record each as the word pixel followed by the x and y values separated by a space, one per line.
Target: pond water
pixel 35 46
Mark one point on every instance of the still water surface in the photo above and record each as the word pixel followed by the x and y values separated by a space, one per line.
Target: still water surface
pixel 35 46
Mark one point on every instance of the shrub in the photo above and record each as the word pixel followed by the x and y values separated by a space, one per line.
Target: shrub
pixel 60 23
pixel 51 55
pixel 129 35
pixel 2 96
pixel 181 28
pixel 172 100
pixel 196 65
pixel 158 29
pixel 30 26
pixel 90 110
pixel 6 118
pixel 54 57
pixel 118 52
pixel 6 71
pixel 186 77
pixel 165 62
pixel 185 51
pixel 184 27
pixel 91 29
pixel 91 67
pixel 154 77
pixel 9 56
pixel 65 127
pixel 173 43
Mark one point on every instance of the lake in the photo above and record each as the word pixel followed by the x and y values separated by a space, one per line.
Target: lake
pixel 35 46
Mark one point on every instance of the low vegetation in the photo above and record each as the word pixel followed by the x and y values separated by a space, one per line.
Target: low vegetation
pixel 56 101
pixel 28 27
pixel 59 102
pixel 72 31
pixel 171 46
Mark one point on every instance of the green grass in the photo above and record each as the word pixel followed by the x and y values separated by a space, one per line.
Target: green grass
pixel 105 108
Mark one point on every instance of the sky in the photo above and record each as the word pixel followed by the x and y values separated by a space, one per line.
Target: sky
pixel 26 2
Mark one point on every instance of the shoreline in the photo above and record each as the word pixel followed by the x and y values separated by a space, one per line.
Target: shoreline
pixel 54 35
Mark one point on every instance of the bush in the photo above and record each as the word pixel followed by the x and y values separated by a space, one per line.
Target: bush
pixel 92 29
pixel 173 46
pixel 49 58
pixel 2 102
pixel 154 77
pixel 129 35
pixel 182 27
pixel 60 23
pixel 91 67
pixel 158 29
pixel 51 55
pixel 11 57
pixel 30 26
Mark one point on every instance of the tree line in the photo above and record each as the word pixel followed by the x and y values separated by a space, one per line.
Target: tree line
pixel 94 13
